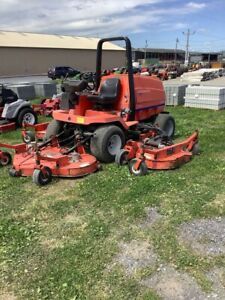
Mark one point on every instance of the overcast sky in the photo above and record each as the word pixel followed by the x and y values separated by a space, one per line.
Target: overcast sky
pixel 157 21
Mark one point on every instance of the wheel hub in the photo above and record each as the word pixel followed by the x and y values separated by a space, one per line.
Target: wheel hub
pixel 114 144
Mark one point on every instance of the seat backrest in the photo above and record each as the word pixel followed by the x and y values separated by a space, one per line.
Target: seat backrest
pixel 110 89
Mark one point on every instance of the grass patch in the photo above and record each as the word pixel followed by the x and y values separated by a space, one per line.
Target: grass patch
pixel 58 242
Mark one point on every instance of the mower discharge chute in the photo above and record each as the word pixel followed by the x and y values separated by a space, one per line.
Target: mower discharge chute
pixel 116 105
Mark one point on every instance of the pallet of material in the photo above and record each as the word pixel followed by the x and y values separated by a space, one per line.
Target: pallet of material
pixel 202 75
pixel 207 97
pixel 175 93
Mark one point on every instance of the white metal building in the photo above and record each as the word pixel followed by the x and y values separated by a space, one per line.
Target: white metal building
pixel 31 53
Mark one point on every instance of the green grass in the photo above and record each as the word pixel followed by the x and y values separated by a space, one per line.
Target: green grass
pixel 59 241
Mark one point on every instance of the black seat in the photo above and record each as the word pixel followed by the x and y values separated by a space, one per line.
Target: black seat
pixel 7 96
pixel 109 92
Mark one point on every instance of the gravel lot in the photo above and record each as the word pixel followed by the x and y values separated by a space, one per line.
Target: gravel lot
pixel 24 79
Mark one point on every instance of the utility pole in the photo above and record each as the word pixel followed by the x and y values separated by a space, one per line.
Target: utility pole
pixel 175 54
pixel 146 46
pixel 188 33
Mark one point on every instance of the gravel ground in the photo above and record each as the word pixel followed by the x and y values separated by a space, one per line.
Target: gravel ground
pixel 24 79
pixel 205 236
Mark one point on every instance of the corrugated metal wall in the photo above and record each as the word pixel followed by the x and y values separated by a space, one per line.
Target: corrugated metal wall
pixel 25 61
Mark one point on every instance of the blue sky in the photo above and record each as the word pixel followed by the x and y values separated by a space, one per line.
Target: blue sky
pixel 157 21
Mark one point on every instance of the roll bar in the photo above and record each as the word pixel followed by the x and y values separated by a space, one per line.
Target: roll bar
pixel 130 69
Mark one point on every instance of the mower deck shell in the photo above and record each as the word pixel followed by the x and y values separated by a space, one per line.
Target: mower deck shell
pixel 168 157
pixel 60 165
pixel 75 164
pixel 7 127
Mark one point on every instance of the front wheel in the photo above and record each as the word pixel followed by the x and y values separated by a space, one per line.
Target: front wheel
pixel 141 171
pixel 54 128
pixel 43 176
pixel 167 123
pixel 107 142
pixel 5 159
pixel 29 136
pixel 121 157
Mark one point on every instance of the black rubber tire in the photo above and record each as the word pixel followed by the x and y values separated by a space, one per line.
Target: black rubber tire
pixel 121 157
pixel 13 172
pixel 143 169
pixel 54 128
pixel 100 142
pixel 167 123
pixel 40 178
pixel 22 113
pixel 5 159
pixel 196 149
pixel 29 137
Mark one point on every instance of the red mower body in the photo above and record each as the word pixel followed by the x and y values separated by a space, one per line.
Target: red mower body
pixel 149 96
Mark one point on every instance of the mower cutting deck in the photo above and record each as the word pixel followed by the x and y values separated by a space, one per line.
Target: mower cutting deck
pixel 42 161
pixel 154 150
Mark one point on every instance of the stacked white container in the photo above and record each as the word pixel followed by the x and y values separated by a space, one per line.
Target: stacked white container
pixel 205 97
pixel 175 93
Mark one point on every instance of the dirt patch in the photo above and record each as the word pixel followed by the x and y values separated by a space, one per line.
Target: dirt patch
pixel 7 296
pixel 152 217
pixel 217 204
pixel 51 244
pixel 204 237
pixel 173 285
pixel 136 255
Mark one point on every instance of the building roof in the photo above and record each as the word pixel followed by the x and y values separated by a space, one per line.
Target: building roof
pixel 36 40
pixel 158 50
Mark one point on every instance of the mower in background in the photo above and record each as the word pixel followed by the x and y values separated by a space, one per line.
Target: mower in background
pixel 14 112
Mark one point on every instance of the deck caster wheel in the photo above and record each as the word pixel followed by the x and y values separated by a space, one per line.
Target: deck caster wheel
pixel 29 137
pixel 143 169
pixel 196 149
pixel 5 159
pixel 14 173
pixel 121 157
pixel 43 176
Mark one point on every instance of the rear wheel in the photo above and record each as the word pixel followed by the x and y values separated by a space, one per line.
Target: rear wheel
pixel 26 116
pixel 54 128
pixel 167 123
pixel 43 176
pixel 107 142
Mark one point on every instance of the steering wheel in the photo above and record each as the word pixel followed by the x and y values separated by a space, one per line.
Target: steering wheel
pixel 89 77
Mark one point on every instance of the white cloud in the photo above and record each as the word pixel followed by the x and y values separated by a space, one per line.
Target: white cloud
pixel 195 5
pixel 89 17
